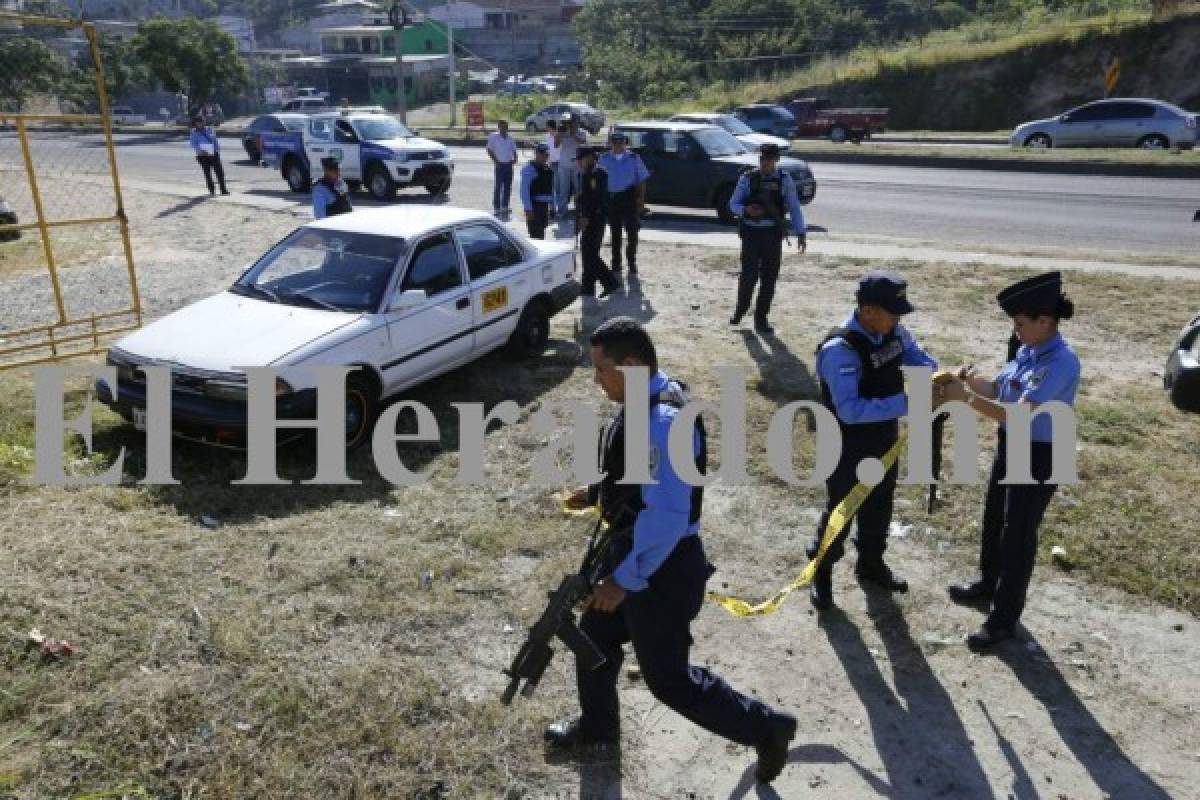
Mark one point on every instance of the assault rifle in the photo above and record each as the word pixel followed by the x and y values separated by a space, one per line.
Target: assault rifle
pixel 558 620
pixel 939 433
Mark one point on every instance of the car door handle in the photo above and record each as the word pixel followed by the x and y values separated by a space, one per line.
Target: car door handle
pixel 463 302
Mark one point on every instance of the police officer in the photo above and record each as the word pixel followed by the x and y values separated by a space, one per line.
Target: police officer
pixel 331 195
pixel 759 201
pixel 591 211
pixel 1044 369
pixel 537 191
pixel 858 368
pixel 656 587
pixel 207 148
pixel 627 177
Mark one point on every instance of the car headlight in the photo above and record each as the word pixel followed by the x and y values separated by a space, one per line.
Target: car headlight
pixel 232 391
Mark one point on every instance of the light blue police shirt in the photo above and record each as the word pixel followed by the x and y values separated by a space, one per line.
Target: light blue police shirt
pixel 322 196
pixel 664 520
pixel 204 136
pixel 737 203
pixel 840 368
pixel 1040 374
pixel 624 171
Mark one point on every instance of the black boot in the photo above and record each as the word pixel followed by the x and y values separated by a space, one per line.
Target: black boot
pixel 821 592
pixel 976 594
pixel 874 570
pixel 773 751
pixel 761 325
pixel 986 638
pixel 569 734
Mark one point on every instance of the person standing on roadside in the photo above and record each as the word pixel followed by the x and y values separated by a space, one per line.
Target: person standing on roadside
pixel 330 195
pixel 591 211
pixel 208 153
pixel 552 147
pixel 537 191
pixel 627 177
pixel 502 150
pixel 569 139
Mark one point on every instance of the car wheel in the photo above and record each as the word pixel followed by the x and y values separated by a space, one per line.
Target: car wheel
pixel 838 134
pixel 296 175
pixel 721 205
pixel 1039 140
pixel 532 333
pixel 362 407
pixel 439 188
pixel 1155 141
pixel 380 183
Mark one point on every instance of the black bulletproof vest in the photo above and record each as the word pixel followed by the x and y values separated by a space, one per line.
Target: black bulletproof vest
pixel 341 203
pixel 614 496
pixel 881 375
pixel 766 192
pixel 543 182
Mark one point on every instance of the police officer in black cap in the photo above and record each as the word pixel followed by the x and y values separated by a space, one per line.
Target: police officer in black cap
pixel 760 200
pixel 1043 369
pixel 537 191
pixel 657 574
pixel 591 212
pixel 858 367
pixel 331 195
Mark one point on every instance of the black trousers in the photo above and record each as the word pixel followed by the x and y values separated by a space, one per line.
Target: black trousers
pixel 657 621
pixel 1011 517
pixel 623 216
pixel 874 517
pixel 212 164
pixel 541 218
pixel 594 268
pixel 762 250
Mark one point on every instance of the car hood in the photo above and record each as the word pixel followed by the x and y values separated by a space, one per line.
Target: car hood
pixel 406 145
pixel 226 331
pixel 786 163
pixel 1037 123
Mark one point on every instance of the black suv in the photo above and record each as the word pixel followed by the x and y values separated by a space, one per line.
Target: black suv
pixel 765 118
pixel 697 166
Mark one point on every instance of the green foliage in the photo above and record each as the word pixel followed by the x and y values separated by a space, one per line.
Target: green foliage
pixel 27 67
pixel 123 73
pixel 190 55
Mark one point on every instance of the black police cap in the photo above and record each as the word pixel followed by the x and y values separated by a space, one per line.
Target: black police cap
pixel 769 149
pixel 583 151
pixel 885 289
pixel 330 163
pixel 1037 295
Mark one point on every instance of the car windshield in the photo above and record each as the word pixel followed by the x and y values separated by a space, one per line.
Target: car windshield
pixel 317 268
pixel 379 129
pixel 717 142
pixel 733 125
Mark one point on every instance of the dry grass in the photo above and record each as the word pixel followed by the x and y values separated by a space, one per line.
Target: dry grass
pixel 291 652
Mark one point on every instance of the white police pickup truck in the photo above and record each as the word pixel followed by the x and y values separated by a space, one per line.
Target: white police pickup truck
pixel 373 149
pixel 404 293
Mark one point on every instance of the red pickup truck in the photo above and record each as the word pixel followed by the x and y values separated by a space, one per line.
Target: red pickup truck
pixel 839 124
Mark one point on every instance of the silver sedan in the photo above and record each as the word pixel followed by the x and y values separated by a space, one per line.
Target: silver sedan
pixel 1118 122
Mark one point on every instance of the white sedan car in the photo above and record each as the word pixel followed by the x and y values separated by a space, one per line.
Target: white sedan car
pixel 741 131
pixel 404 293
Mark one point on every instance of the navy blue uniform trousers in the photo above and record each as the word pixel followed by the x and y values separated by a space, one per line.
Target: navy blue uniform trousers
pixel 1011 517
pixel 874 517
pixel 762 253
pixel 657 621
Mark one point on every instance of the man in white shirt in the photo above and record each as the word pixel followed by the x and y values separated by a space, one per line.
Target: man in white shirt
pixel 502 150
pixel 568 139
pixel 553 148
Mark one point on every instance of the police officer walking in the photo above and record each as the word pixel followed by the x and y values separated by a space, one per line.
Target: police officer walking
pixel 1044 369
pixel 537 191
pixel 627 176
pixel 591 211
pixel 658 573
pixel 208 153
pixel 331 195
pixel 761 198
pixel 858 368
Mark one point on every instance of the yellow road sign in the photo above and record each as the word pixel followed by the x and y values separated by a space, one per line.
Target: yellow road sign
pixel 1112 75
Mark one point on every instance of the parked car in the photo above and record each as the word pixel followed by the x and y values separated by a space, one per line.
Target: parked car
pixel 269 123
pixel 306 105
pixel 1182 375
pixel 838 124
pixel 8 217
pixel 697 166
pixel 123 115
pixel 403 293
pixel 310 91
pixel 1117 122
pixel 590 119
pixel 744 133
pixel 374 150
pixel 768 118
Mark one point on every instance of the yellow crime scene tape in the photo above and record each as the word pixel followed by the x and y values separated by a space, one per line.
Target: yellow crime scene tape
pixel 837 522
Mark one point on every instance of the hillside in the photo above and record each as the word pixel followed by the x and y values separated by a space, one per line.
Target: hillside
pixel 998 84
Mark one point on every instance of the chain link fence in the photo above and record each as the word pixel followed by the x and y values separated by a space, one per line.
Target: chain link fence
pixel 66 263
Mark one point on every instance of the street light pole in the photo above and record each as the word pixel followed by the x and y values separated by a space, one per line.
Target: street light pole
pixel 450 50
pixel 399 19
pixel 512 26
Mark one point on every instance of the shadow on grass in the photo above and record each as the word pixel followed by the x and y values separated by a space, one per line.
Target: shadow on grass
pixel 807 754
pixel 599 771
pixel 206 473
pixel 783 378
pixel 183 206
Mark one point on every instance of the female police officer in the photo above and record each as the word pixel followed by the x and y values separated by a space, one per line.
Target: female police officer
pixel 1045 369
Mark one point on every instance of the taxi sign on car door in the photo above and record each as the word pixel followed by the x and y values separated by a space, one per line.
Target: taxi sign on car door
pixel 495 299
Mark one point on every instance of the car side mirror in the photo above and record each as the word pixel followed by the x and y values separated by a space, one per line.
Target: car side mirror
pixel 407 300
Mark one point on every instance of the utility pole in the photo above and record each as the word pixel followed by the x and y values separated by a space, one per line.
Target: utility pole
pixel 450 50
pixel 399 18
pixel 512 26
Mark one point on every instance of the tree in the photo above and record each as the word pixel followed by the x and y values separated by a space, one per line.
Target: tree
pixel 190 55
pixel 27 67
pixel 123 73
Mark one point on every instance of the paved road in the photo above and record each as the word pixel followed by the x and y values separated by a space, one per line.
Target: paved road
pixel 976 208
